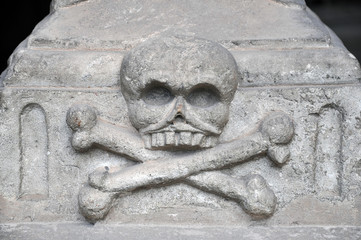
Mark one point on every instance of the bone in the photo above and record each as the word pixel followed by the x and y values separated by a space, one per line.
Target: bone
pixel 197 139
pixel 279 154
pixel 147 139
pixel 278 128
pixel 121 141
pixel 159 171
pixel 169 138
pixel 162 171
pixel 94 204
pixel 89 131
pixel 252 191
pixel 81 117
pixel 208 142
pixel 185 138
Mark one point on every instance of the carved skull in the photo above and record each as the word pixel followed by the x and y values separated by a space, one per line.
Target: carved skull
pixel 178 91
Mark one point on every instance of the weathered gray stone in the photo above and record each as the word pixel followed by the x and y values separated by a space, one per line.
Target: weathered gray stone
pixel 185 81
pixel 253 193
pixel 66 231
pixel 177 114
pixel 56 4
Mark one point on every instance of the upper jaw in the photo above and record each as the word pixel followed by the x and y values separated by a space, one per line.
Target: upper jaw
pixel 177 135
pixel 178 140
pixel 176 127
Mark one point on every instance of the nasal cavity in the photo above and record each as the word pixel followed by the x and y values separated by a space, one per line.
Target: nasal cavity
pixel 179 118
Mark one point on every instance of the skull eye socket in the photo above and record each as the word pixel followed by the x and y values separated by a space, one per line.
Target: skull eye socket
pixel 203 97
pixel 157 95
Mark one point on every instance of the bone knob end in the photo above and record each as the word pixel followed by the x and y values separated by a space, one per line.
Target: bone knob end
pixel 81 117
pixel 278 127
pixel 95 204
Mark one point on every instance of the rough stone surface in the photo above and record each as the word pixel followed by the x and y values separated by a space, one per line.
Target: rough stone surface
pixel 181 124
pixel 65 231
pixel 187 82
pixel 56 4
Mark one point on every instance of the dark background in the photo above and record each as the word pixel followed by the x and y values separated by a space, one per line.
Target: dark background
pixel 18 19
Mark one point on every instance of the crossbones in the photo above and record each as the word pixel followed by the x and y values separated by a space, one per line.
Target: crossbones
pixel 105 184
pixel 183 115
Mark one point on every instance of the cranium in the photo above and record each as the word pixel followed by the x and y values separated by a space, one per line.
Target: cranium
pixel 178 91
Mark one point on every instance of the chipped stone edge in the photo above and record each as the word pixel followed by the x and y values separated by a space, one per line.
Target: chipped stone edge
pixel 56 4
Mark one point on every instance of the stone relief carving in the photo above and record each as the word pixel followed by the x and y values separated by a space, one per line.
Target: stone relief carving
pixel 328 152
pixel 34 153
pixel 292 3
pixel 182 104
pixel 56 4
pixel 178 91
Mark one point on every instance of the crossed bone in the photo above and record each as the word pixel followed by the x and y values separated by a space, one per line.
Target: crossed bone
pixel 197 169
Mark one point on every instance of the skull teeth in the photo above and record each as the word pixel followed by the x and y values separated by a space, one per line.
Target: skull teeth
pixel 197 139
pixel 169 138
pixel 185 138
pixel 166 140
pixel 147 139
pixel 208 142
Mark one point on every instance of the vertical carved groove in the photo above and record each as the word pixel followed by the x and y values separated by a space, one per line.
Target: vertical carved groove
pixel 328 152
pixel 34 157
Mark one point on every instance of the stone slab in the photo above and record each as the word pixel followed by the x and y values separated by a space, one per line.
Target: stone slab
pixel 85 69
pixel 289 65
pixel 67 231
pixel 121 24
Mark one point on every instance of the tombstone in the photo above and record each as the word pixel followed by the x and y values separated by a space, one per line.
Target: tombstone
pixel 180 119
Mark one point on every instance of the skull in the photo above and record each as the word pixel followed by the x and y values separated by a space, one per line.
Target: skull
pixel 178 91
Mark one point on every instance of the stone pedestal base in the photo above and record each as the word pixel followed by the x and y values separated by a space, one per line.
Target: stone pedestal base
pixel 64 231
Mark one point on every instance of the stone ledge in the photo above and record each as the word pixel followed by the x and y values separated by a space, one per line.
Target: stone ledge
pixel 64 231
pixel 86 69
pixel 110 24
